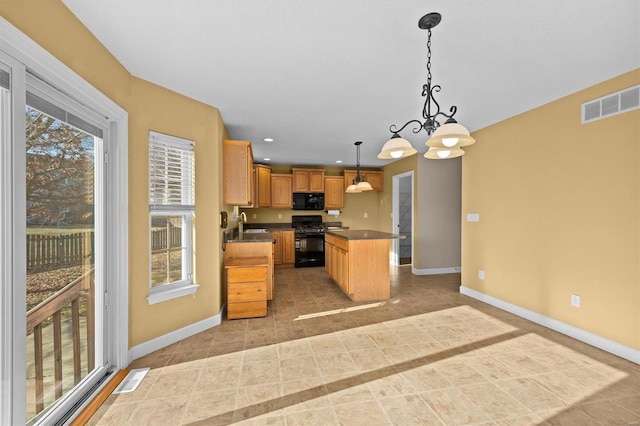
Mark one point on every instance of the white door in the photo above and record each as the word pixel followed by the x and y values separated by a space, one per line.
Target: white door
pixel 65 254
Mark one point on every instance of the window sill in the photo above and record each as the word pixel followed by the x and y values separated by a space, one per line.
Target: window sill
pixel 162 295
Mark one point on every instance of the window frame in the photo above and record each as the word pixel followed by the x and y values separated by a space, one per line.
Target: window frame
pixel 184 208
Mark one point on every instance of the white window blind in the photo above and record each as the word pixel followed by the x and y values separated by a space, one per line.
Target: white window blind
pixel 60 113
pixel 171 173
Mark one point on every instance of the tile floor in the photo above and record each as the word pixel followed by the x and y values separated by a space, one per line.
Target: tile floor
pixel 427 356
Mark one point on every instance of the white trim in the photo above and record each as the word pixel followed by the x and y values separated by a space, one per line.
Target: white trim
pixel 161 294
pixel 160 342
pixel 12 268
pixel 600 342
pixel 54 413
pixel 172 140
pixel 118 250
pixel 395 216
pixel 435 271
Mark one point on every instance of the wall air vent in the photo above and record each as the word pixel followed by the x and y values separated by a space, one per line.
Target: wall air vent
pixel 616 103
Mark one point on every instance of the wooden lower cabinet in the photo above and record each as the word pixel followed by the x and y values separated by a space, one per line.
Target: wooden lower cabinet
pixel 284 248
pixel 246 286
pixel 337 261
pixel 277 247
pixel 288 247
pixel 359 267
pixel 251 249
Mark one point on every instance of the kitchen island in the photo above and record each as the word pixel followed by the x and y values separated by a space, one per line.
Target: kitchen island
pixel 358 262
pixel 251 244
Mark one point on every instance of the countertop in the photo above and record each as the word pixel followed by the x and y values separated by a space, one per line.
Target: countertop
pixel 363 234
pixel 249 237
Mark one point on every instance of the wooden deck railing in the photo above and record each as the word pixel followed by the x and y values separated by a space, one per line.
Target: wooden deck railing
pixel 52 308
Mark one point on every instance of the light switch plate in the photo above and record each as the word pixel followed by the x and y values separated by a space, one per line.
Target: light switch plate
pixel 575 300
pixel 473 217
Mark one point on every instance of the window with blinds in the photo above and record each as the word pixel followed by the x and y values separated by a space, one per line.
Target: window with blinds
pixel 171 207
pixel 171 173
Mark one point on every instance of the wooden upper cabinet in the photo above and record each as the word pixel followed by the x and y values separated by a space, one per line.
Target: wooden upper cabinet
pixel 349 176
pixel 308 180
pixel 281 193
pixel 237 173
pixel 374 177
pixel 262 186
pixel 333 192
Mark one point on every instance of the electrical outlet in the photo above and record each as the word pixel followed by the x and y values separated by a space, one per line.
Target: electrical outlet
pixel 255 216
pixel 279 215
pixel 575 300
pixel 473 217
pixel 365 215
pixel 481 274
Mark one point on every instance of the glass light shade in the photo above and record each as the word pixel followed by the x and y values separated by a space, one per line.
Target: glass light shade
pixel 396 147
pixel 450 142
pixel 435 153
pixel 445 135
pixel 364 186
pixel 352 189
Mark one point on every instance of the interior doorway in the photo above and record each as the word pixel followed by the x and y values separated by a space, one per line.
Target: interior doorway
pixel 403 218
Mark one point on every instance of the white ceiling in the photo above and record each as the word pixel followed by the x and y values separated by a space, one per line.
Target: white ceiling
pixel 319 75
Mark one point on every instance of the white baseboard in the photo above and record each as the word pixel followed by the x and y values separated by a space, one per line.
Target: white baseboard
pixel 435 271
pixel 175 336
pixel 600 342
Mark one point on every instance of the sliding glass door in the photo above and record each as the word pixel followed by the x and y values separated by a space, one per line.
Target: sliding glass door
pixel 65 188
pixel 63 236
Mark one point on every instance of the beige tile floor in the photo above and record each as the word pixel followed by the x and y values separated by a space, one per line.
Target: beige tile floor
pixel 429 355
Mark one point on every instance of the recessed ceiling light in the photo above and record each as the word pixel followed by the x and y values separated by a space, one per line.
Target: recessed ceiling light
pixel 338 161
pixel 268 139
pixel 267 159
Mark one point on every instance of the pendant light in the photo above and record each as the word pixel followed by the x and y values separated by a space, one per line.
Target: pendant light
pixel 446 140
pixel 358 184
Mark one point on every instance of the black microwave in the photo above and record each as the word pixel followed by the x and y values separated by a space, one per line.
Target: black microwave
pixel 308 201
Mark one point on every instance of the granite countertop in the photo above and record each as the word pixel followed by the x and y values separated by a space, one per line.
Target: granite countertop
pixel 363 234
pixel 249 237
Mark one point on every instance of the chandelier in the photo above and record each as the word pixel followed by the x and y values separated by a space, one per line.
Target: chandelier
pixel 445 140
pixel 358 184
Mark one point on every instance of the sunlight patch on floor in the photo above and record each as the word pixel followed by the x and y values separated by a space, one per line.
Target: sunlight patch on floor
pixel 340 311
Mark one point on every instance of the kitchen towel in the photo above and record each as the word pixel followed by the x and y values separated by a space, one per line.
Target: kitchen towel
pixel 335 213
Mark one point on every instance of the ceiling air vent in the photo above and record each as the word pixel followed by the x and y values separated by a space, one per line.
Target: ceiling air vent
pixel 616 103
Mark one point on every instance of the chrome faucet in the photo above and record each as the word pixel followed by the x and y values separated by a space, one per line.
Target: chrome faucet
pixel 243 219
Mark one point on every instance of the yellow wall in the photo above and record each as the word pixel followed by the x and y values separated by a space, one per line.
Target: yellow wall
pixel 559 214
pixel 150 107
pixel 158 109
